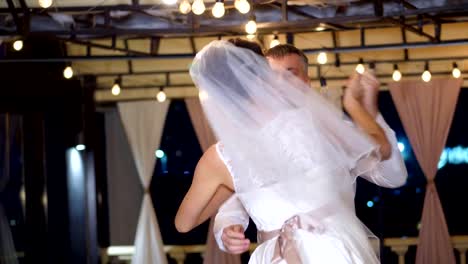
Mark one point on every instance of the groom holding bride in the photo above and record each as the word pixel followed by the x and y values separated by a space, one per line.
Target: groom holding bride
pixel 232 220
pixel 286 157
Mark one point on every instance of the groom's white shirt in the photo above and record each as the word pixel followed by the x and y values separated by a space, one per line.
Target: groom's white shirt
pixel 390 173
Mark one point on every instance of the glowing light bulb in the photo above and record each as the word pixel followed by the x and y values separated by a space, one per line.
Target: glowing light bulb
pixel 426 76
pixel 198 7
pixel 242 6
pixel 360 68
pixel 396 75
pixel 116 89
pixel 185 7
pixel 320 28
pixel 251 27
pixel 161 96
pixel 456 73
pixel 45 3
pixel 18 45
pixel 218 9
pixel 68 72
pixel 322 58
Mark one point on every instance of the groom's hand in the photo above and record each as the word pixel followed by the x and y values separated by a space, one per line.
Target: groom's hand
pixel 362 89
pixel 370 86
pixel 234 240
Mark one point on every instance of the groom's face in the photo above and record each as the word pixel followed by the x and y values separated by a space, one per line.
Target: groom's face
pixel 292 63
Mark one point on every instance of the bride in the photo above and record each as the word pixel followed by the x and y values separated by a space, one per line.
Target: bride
pixel 288 155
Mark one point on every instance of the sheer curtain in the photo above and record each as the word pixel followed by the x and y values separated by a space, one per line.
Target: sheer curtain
pixel 426 111
pixel 7 246
pixel 213 254
pixel 143 122
pixel 122 177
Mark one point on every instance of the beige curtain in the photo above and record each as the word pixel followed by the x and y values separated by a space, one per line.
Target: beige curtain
pixel 426 111
pixel 143 122
pixel 213 254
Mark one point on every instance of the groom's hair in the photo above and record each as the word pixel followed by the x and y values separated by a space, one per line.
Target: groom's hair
pixel 282 50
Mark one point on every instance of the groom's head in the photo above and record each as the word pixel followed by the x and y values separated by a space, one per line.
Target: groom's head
pixel 288 57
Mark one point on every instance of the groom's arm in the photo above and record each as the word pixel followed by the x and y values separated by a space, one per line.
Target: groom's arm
pixel 231 221
pixel 390 173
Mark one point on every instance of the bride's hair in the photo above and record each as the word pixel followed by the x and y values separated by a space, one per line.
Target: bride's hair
pixel 218 63
pixel 247 45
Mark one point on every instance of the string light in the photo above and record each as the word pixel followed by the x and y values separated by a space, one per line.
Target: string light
pixel 396 73
pixel 185 7
pixel 426 75
pixel 322 58
pixel 218 9
pixel 161 96
pixel 251 26
pixel 198 7
pixel 360 67
pixel 274 42
pixel 242 6
pixel 116 87
pixel 68 72
pixel 456 73
pixel 45 3
pixel 18 45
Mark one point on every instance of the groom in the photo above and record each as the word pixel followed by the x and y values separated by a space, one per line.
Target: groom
pixel 232 219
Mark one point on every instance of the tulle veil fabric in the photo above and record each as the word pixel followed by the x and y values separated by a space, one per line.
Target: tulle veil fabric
pixel 276 130
pixel 242 96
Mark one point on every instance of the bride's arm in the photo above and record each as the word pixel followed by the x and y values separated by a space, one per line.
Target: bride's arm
pixel 211 186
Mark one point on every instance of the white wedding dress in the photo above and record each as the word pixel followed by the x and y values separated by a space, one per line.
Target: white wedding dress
pixel 292 157
pixel 337 236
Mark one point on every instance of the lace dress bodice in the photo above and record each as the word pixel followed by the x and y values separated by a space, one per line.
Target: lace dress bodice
pixel 271 204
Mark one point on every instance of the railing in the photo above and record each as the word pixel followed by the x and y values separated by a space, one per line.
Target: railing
pixel 399 246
